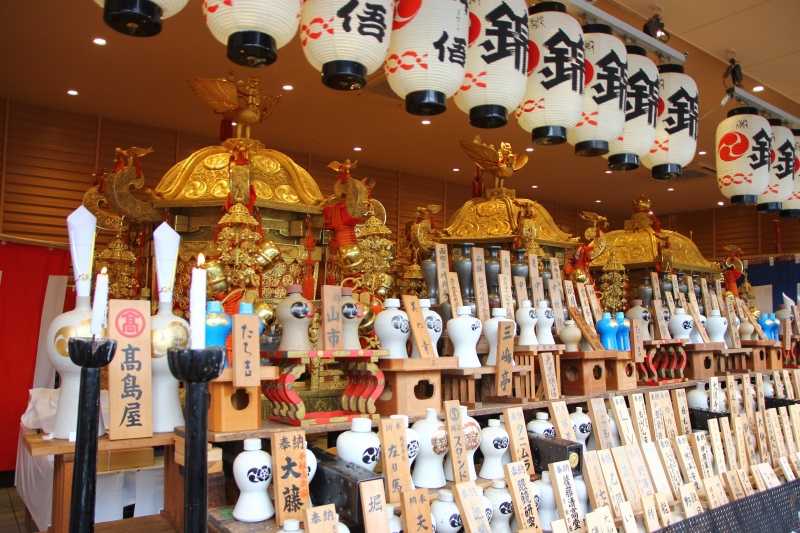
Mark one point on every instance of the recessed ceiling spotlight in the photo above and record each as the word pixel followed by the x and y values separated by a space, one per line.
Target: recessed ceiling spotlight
pixel 758 88
pixel 426 122
pixel 701 152
pixel 72 92
pixel 720 203
pixel 608 172
pixel 288 87
pixel 670 189
pixel 529 149
pixel 597 201
pixel 99 41
pixel 456 169
pixel 534 186
pixel 357 149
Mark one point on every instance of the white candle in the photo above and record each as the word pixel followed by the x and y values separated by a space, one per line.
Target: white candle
pixel 100 304
pixel 197 305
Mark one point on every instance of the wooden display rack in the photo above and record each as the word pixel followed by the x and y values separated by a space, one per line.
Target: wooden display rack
pixel 620 372
pixel 358 398
pixel 415 385
pixel 584 373
pixel 520 372
pixel 764 353
pixel 700 359
pixel 236 408
pixel 732 360
pixel 664 362
pixel 460 384
pixel 526 356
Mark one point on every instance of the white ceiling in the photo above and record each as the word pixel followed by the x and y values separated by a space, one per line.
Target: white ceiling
pixel 47 49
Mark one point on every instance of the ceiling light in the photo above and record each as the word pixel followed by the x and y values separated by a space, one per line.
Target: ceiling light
pixel 670 189
pixel 426 122
pixel 357 149
pixel 654 27
pixel 456 169
pixel 99 41
pixel 608 172
pixel 529 149
pixel 720 203
pixel 597 201
pixel 288 87
pixel 758 88
pixel 534 186
pixel 701 152
pixel 72 92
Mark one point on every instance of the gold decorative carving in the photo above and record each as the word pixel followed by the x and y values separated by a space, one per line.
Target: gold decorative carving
pixel 120 199
pixel 94 201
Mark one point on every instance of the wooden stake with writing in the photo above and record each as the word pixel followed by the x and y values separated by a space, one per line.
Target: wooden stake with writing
pixel 533 265
pixel 468 499
pixel 569 507
pixel 586 307
pixel 503 385
pixel 321 519
pixel 454 291
pixel 601 426
pixel 661 331
pixel 519 445
pixel 506 295
pixel 394 458
pixel 479 282
pixel 559 415
pixel 290 477
pixel 246 350
pixel 419 331
pixel 456 441
pixel 521 290
pixel 537 290
pixel 331 317
pixel 373 506
pixel 517 479
pixel 416 506
pixel 547 367
pixel 557 303
pixel 588 332
pixel 442 268
pixel 656 286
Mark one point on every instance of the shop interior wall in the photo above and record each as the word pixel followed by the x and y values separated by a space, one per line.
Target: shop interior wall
pixel 48 157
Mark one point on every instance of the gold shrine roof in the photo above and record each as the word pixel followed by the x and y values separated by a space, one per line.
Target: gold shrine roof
pixel 637 246
pixel 203 179
pixel 493 218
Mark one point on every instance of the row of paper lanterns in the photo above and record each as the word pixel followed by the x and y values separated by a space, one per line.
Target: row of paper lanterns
pixel 757 162
pixel 563 82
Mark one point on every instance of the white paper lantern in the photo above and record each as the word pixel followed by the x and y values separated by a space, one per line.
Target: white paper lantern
pixel 139 18
pixel 781 174
pixel 497 62
pixel 791 207
pixel 603 115
pixel 553 98
pixel 346 40
pixel 641 113
pixel 253 30
pixel 743 153
pixel 427 57
pixel 676 133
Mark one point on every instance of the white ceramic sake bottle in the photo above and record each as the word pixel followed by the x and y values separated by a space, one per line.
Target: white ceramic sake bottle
pixel 494 442
pixel 311 463
pixel 294 314
pixel 434 325
pixel 445 511
pixel 490 328
pixel 637 311
pixel 393 330
pixel 716 326
pixel 544 326
pixel 252 471
pixel 582 425
pixel 428 469
pixel 527 318
pixel 698 398
pixel 81 225
pixel 291 525
pixel 680 324
pixel 166 331
pixel 395 523
pixel 570 336
pixel 352 313
pixel 541 425
pixel 502 507
pixel 360 445
pixel 548 511
pixel 465 331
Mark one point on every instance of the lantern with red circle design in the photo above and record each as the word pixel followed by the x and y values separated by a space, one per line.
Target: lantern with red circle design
pixel 743 153
pixel 603 115
pixel 427 57
pixel 497 62
pixel 139 18
pixel 641 113
pixel 253 30
pixel 676 133
pixel 781 171
pixel 553 98
pixel 346 40
pixel 791 207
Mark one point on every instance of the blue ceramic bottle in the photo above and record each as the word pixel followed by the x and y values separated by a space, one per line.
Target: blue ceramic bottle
pixel 776 326
pixel 218 324
pixel 762 321
pixel 623 332
pixel 607 328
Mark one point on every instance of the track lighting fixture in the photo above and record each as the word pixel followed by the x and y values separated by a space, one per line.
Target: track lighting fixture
pixel 654 27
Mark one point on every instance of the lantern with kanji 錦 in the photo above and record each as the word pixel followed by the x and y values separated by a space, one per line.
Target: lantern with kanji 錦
pixel 781 174
pixel 346 40
pixel 497 62
pixel 743 153
pixel 641 112
pixel 791 207
pixel 139 18
pixel 427 57
pixel 603 115
pixel 553 98
pixel 253 30
pixel 676 133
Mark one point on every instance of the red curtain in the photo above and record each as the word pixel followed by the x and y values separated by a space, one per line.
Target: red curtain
pixel 25 271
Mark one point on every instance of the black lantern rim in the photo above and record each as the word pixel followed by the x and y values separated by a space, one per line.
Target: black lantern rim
pixel 488 116
pixel 667 171
pixel 742 111
pixel 252 49
pixel 623 162
pixel 543 7
pixel 744 199
pixel 669 67
pixel 426 103
pixel 591 148
pixel 768 207
pixel 344 75
pixel 597 28
pixel 790 213
pixel 549 135
pixel 137 18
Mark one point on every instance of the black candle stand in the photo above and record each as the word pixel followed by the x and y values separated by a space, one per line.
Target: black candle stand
pixel 91 355
pixel 196 368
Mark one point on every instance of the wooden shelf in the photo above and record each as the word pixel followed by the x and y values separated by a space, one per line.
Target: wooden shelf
pixel 38 447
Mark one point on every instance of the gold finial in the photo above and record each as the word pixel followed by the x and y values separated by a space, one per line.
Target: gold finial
pixel 642 204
